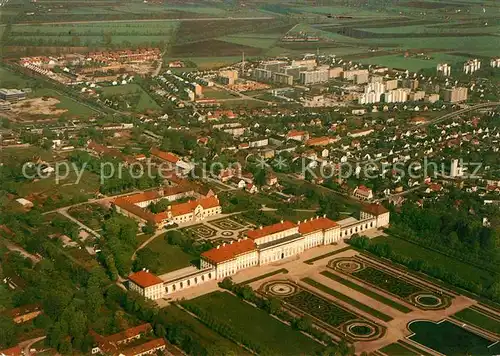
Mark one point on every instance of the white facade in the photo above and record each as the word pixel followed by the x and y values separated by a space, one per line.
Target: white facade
pixel 269 244
pixel 472 66
pixel 444 69
pixel 153 292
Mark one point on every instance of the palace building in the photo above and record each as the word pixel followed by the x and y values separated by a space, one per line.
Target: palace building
pixel 136 206
pixel 270 244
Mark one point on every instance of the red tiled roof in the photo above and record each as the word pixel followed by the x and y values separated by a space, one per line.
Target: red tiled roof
pixel 271 229
pixel 13 351
pixel 318 141
pixel 374 209
pixel 166 156
pixel 316 224
pixel 145 279
pixel 188 207
pixel 295 133
pixel 143 348
pixel 229 251
pixel 363 188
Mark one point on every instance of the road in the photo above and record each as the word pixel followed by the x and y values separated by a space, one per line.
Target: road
pixel 153 20
pixel 26 345
pixel 13 247
pixel 461 111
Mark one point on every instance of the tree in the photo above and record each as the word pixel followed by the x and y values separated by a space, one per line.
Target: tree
pixel 8 332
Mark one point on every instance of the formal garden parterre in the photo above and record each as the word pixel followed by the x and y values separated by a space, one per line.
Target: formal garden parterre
pixel 328 314
pixel 397 285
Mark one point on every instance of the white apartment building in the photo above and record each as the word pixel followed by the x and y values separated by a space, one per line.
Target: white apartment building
pixel 472 66
pixel 314 76
pixel 444 69
pixel 396 96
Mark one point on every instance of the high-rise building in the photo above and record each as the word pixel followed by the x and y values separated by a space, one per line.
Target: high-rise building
pixel 472 65
pixel 228 76
pixel 444 69
pixel 309 64
pixel 372 94
pixel 335 72
pixel 261 74
pixel 410 83
pixel 455 95
pixel 495 62
pixel 282 78
pixel 314 76
pixel 273 66
pixel 396 96
pixel 350 74
pixel 391 84
pixel 416 96
pixel 361 78
pixel 432 98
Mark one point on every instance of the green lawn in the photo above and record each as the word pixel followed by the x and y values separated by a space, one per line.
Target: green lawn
pixel 171 257
pixel 256 325
pixel 397 350
pixel 480 320
pixel 462 269
pixel 201 333
pixel 347 299
pixel 214 93
pixel 9 79
pixel 145 101
pixel 367 292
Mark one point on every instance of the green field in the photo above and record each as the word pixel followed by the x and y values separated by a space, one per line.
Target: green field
pixel 462 269
pixel 263 329
pixel 413 64
pixel 347 299
pixel 118 34
pixel 9 79
pixel 449 339
pixel 75 108
pixel 367 292
pixel 171 257
pixel 474 317
pixel 201 333
pixel 120 93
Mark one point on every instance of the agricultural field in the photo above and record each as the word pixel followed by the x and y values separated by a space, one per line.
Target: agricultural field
pixel 230 310
pixel 94 35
